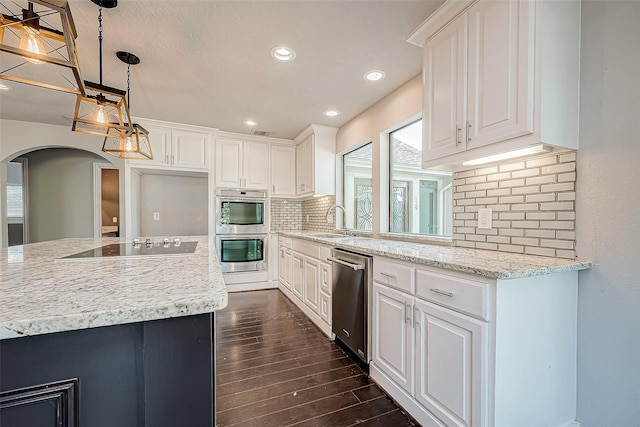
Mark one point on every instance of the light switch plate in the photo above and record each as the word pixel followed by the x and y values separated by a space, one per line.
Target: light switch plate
pixel 484 218
pixel 115 219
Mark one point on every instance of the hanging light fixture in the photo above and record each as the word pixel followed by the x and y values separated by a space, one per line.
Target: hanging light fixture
pixel 102 110
pixel 133 144
pixel 38 46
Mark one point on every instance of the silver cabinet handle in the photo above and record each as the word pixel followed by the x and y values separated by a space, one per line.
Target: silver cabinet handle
pixel 356 267
pixel 273 188
pixel 388 276
pixel 468 131
pixel 166 158
pixel 438 291
pixel 416 312
pixel 458 130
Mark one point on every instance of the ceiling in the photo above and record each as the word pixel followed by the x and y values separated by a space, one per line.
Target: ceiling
pixel 207 62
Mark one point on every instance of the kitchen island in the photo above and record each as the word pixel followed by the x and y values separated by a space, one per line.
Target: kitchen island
pixel 126 341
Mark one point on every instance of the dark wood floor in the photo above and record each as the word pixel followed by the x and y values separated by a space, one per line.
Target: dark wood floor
pixel 275 368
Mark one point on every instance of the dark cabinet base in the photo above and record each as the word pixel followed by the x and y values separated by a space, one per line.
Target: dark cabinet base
pixel 158 373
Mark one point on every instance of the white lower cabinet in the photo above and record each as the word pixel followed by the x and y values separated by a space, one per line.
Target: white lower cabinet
pixel 307 282
pixel 449 363
pixel 462 350
pixel 393 334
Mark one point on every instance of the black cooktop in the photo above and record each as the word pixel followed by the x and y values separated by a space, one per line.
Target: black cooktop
pixel 131 250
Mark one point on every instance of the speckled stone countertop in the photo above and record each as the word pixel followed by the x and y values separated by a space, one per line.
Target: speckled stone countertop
pixel 490 264
pixel 41 294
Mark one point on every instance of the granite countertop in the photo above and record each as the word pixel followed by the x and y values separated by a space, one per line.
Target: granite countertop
pixel 490 264
pixel 41 294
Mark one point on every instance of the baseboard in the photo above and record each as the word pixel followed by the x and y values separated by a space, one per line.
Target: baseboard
pixel 257 286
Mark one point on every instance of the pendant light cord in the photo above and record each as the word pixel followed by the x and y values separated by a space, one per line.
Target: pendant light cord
pixel 128 87
pixel 100 39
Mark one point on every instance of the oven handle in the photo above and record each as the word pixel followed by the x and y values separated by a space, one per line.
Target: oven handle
pixel 356 267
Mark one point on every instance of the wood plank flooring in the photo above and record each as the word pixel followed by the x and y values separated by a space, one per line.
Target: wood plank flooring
pixel 275 368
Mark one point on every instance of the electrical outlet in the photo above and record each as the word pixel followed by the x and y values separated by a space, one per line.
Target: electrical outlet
pixel 307 218
pixel 115 219
pixel 484 218
pixel 156 216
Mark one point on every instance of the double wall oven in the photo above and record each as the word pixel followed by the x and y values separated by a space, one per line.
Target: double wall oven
pixel 242 230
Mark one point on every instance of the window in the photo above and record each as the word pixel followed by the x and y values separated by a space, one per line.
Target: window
pixel 15 192
pixel 358 192
pixel 420 201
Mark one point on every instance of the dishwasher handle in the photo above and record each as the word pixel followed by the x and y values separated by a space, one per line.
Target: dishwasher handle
pixel 356 267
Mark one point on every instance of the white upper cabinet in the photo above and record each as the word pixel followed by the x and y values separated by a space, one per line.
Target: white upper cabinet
pixel 315 161
pixel 177 148
pixel 498 76
pixel 242 164
pixel 283 170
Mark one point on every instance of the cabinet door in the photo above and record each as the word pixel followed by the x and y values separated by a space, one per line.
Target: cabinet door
pixel 255 160
pixel 444 91
pixel 286 273
pixel 297 274
pixel 393 335
pixel 283 171
pixel 282 266
pixel 304 166
pixel 312 283
pixel 228 163
pixel 450 364
pixel 190 149
pixel 500 76
pixel 160 139
pixel 325 278
pixel 324 310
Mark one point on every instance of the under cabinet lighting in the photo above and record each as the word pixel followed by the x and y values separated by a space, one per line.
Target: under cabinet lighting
pixel 536 149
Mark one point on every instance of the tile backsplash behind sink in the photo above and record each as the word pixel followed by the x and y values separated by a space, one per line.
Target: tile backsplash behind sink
pixel 533 204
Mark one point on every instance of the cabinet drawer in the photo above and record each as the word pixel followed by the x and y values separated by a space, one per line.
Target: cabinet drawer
pixel 325 253
pixel 397 276
pixel 460 294
pixel 284 241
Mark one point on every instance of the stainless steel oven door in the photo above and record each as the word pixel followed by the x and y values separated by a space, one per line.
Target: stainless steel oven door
pixel 241 215
pixel 239 253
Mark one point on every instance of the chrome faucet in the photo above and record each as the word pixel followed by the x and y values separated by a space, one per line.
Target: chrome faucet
pixel 344 218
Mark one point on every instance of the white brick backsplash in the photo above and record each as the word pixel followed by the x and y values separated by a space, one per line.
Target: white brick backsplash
pixel 562 167
pixel 565 186
pixel 511 183
pixel 511 199
pixel 546 234
pixel 488 246
pixel 557 206
pixel 541 216
pixel 511 248
pixel 525 241
pixel 557 244
pixel 541 197
pixel 532 202
pixel 539 251
pixel 526 190
pixel 512 215
pixel 571 195
pixel 511 166
pixel 545 179
pixel 542 161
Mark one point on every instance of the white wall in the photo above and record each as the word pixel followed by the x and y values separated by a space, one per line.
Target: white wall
pixel 17 138
pixel 608 215
pixel 396 108
pixel 181 202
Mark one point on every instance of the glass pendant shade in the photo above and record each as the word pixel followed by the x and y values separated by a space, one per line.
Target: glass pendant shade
pixel 131 145
pixel 100 110
pixel 37 45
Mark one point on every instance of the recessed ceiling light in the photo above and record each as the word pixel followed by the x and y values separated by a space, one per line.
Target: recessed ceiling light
pixel 331 113
pixel 250 123
pixel 283 54
pixel 374 75
pixel 4 87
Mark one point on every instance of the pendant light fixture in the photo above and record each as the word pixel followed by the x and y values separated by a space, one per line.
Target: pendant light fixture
pixel 102 109
pixel 133 144
pixel 37 45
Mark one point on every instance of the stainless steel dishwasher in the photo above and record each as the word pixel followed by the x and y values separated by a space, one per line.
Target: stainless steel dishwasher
pixel 350 295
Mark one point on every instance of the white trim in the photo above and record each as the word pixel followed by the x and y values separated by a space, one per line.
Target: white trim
pixel 97 197
pixel 256 286
pixel 438 20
